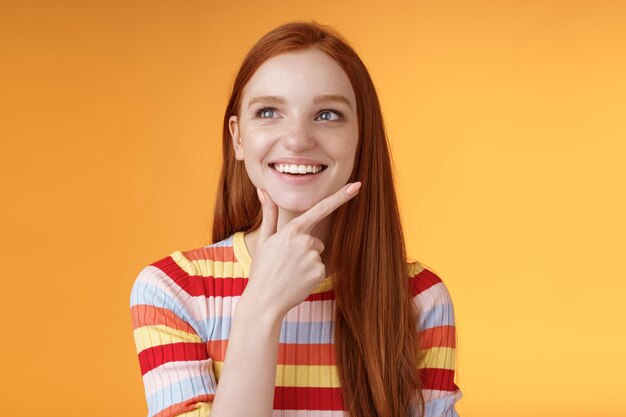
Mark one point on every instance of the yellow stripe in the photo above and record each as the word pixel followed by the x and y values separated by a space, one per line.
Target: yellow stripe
pixel 149 336
pixel 327 376
pixel 307 376
pixel 414 268
pixel 208 267
pixel 325 285
pixel 298 375
pixel 221 269
pixel 241 252
pixel 202 410
pixel 439 357
pixel 218 269
pixel 217 369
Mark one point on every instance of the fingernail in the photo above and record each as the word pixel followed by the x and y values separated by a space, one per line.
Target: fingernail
pixel 261 196
pixel 353 188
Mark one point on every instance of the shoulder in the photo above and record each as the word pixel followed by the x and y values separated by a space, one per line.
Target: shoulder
pixel 182 271
pixel 192 261
pixel 423 278
pixel 204 260
pixel 430 295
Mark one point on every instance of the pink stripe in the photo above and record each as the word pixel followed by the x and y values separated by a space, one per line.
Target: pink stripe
pixel 311 311
pixel 433 296
pixel 435 394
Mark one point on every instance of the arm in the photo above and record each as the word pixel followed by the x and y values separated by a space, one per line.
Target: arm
pixel 438 341
pixel 248 377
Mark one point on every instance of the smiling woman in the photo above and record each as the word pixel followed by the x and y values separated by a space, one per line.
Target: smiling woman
pixel 306 302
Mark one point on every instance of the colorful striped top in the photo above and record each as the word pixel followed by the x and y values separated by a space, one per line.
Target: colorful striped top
pixel 182 307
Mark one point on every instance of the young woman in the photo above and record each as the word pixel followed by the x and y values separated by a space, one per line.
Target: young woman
pixel 306 304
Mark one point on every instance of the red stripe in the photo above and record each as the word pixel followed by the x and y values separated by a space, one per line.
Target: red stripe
pixel 321 296
pixel 195 285
pixel 288 353
pixel 307 398
pixel 219 287
pixel 158 355
pixel 439 379
pixel 179 276
pixel 210 286
pixel 423 281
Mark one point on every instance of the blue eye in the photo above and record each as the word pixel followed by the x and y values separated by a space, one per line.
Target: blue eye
pixel 337 112
pixel 261 112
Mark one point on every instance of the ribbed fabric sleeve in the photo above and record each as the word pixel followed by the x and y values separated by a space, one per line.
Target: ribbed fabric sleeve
pixel 438 340
pixel 182 308
pixel 176 369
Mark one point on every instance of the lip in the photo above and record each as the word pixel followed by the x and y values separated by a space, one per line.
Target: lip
pixel 297 179
pixel 297 161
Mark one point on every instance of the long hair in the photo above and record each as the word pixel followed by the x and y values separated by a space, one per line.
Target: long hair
pixel 376 339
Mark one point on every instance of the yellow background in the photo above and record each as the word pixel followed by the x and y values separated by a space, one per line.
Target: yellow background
pixel 507 122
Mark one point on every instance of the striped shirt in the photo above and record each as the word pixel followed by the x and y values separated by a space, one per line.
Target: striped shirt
pixel 182 308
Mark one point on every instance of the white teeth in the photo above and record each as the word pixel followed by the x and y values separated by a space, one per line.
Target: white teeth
pixel 298 169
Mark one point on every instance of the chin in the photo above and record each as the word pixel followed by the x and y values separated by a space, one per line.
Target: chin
pixel 295 203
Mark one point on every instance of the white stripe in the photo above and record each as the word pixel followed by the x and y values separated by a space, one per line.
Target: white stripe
pixel 170 373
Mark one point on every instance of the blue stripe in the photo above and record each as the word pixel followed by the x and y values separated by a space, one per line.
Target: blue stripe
pixel 441 407
pixel 439 315
pixel 226 242
pixel 303 333
pixel 218 328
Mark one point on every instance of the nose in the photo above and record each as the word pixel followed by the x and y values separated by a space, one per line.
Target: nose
pixel 298 136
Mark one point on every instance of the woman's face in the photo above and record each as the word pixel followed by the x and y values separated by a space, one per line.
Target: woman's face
pixel 297 105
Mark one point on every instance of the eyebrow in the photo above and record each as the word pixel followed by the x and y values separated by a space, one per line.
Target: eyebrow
pixel 317 100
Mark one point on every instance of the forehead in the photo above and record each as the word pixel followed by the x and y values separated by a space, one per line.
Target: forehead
pixel 299 75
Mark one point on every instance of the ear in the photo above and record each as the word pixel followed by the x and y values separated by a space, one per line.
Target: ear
pixel 233 127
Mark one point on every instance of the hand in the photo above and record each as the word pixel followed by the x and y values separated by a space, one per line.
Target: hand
pixel 287 265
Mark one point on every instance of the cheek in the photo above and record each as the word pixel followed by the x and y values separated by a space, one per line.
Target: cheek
pixel 347 150
pixel 348 161
pixel 256 158
pixel 255 147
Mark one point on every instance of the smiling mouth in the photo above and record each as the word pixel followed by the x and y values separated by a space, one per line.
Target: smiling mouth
pixel 298 174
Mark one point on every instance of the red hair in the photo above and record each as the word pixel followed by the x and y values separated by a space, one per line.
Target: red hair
pixel 376 338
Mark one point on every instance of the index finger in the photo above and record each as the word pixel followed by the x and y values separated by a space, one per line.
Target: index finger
pixel 307 220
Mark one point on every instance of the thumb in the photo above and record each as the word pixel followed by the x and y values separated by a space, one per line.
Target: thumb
pixel 270 216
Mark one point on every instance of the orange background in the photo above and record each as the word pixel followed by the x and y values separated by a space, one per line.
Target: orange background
pixel 507 125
